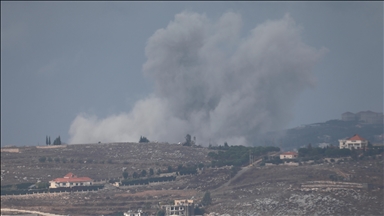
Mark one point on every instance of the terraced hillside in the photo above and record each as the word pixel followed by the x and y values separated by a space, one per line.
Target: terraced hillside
pixel 97 161
pixel 347 187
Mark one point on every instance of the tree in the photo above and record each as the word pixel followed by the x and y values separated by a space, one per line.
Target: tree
pixel 46 140
pixel 125 174
pixel 226 145
pixel 57 141
pixel 161 213
pixel 135 175
pixel 151 173
pixel 143 139
pixel 188 140
pixel 143 173
pixel 42 159
pixel 158 172
pixel 207 200
pixel 170 169
pixel 49 140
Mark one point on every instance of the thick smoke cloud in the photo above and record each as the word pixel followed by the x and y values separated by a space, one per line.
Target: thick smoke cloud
pixel 212 83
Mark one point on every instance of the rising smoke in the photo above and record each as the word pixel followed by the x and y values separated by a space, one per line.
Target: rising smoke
pixel 212 83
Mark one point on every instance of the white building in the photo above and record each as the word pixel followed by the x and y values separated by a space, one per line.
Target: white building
pixel 288 155
pixel 138 213
pixel 181 207
pixel 70 180
pixel 356 142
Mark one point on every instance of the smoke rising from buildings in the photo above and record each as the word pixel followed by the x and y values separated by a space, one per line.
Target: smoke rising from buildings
pixel 213 83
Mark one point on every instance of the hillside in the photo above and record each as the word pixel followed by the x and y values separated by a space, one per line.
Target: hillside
pixel 327 132
pixel 255 190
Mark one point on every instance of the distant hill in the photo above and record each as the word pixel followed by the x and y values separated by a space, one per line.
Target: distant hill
pixel 327 133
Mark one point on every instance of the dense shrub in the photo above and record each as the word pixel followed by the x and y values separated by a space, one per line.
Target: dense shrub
pixel 237 155
pixel 148 180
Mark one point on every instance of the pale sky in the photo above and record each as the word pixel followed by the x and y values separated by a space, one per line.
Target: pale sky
pixel 97 71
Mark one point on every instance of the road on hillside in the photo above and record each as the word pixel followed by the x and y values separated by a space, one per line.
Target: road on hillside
pixel 26 211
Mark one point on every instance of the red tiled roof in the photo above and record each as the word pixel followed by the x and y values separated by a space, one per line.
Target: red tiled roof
pixel 70 177
pixel 289 153
pixel 356 137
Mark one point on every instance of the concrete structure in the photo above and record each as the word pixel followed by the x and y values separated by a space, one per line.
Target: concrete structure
pixel 288 155
pixel 70 180
pixel 138 213
pixel 356 142
pixel 181 207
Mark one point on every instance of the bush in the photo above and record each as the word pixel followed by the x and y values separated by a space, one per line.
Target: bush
pixel 125 175
pixel 57 160
pixel 207 200
pixel 42 159
pixel 50 159
pixel 42 185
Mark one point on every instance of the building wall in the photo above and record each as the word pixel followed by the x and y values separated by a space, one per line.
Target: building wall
pixel 68 184
pixel 349 144
pixel 287 156
pixel 186 210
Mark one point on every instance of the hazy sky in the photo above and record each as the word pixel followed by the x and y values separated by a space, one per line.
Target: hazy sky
pixel 112 71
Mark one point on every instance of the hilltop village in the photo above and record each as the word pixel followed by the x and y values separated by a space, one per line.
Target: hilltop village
pixel 148 178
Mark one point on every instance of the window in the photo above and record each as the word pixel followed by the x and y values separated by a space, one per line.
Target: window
pixel 81 183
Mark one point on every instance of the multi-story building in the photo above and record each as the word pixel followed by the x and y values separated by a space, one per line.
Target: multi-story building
pixel 355 142
pixel 181 207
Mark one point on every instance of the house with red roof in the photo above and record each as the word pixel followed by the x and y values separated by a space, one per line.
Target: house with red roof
pixel 288 155
pixel 356 142
pixel 70 180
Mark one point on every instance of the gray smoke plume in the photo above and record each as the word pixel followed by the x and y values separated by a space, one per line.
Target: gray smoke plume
pixel 212 83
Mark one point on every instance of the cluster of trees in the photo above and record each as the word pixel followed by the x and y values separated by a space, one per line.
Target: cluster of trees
pixel 237 155
pixel 317 153
pixel 143 173
pixel 311 152
pixel 43 159
pixel 143 139
pixel 189 141
pixel 147 180
pixel 57 141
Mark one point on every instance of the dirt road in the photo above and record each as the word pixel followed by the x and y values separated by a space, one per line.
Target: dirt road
pixel 3 210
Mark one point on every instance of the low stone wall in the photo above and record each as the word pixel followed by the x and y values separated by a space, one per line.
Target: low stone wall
pixel 332 184
pixel 51 146
pixel 12 150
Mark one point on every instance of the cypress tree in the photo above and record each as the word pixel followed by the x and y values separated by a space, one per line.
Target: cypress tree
pixel 49 140
pixel 46 140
